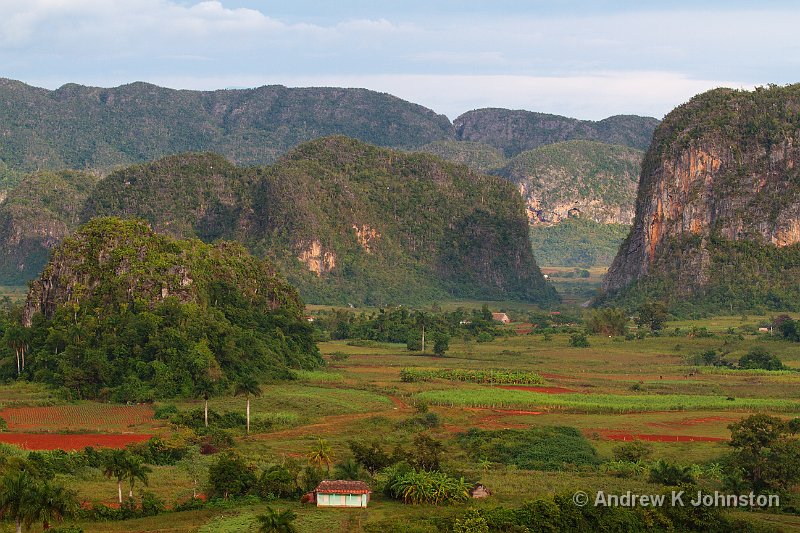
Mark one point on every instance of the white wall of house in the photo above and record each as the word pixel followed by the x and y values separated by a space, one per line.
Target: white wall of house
pixel 342 500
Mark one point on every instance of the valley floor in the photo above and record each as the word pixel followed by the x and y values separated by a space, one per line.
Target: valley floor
pixel 614 390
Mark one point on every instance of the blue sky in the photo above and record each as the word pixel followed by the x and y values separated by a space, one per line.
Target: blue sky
pixel 582 59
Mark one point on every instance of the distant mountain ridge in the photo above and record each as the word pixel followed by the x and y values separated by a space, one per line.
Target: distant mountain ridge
pixel 78 127
pixel 515 131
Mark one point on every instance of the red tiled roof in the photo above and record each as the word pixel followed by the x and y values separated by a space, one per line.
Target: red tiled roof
pixel 342 487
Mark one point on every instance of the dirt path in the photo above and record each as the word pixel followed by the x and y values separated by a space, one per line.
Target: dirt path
pixel 330 424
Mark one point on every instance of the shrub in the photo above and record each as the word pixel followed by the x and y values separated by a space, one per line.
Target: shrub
pixel 633 451
pixel 430 487
pixel 542 448
pixel 760 358
pixel 485 336
pixel 578 340
pixel 670 474
pixel 339 356
pixel 165 412
pixel 230 476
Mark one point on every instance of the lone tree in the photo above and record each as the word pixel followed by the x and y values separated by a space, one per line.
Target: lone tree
pixel 247 386
pixel 652 315
pixel 114 466
pixel 321 455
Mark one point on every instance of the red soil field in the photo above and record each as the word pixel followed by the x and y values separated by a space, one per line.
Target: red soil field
pixel 69 442
pixel 693 421
pixel 546 390
pixel 610 435
pixel 91 416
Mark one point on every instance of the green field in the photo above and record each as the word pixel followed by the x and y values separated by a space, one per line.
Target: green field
pixel 642 387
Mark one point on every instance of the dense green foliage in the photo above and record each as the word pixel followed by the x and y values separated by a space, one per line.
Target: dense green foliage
pixel 743 276
pixel 599 179
pixel 439 229
pixel 609 321
pixel 766 454
pixel 542 448
pixel 477 156
pixel 760 358
pixel 559 513
pixel 404 325
pixel 141 315
pixel 577 242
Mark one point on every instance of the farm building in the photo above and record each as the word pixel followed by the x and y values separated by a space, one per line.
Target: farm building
pixel 501 317
pixel 479 491
pixel 341 493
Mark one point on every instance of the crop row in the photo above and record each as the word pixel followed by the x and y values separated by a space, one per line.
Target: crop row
pixel 601 403
pixel 471 376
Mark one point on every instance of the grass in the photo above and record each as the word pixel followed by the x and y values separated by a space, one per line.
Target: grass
pixel 599 403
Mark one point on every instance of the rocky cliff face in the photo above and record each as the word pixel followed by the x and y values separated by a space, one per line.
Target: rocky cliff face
pixel 724 167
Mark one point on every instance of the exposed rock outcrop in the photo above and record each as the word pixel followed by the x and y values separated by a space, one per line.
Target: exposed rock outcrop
pixel 724 167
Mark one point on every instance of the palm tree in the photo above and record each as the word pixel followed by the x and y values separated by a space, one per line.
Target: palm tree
pixel 14 337
pixel 114 465
pixel 135 469
pixel 204 389
pixel 274 522
pixel 348 469
pixel 16 493
pixel 50 503
pixel 247 386
pixel 321 454
pixel 422 319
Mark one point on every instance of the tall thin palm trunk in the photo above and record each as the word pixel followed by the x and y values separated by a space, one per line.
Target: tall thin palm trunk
pixel 119 490
pixel 205 411
pixel 248 415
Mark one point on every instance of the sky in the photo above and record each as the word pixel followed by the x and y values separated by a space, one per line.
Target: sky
pixel 584 59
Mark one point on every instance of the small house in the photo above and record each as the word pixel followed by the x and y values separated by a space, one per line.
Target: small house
pixel 479 491
pixel 501 317
pixel 342 493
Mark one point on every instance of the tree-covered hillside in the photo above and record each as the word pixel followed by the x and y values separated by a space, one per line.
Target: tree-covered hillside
pixel 122 312
pixel 90 127
pixel 577 242
pixel 515 131
pixel 36 216
pixel 380 226
pixel 345 221
pixel 592 180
